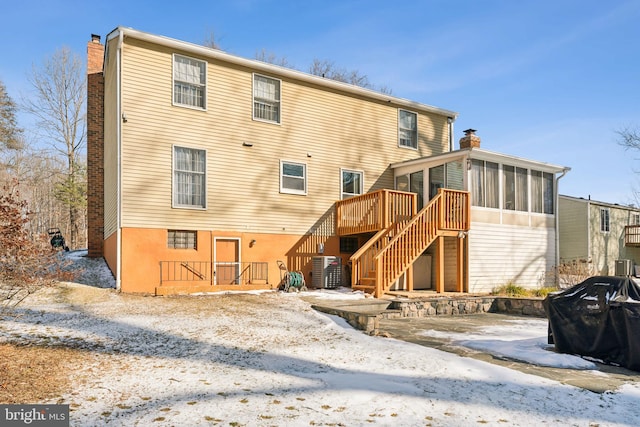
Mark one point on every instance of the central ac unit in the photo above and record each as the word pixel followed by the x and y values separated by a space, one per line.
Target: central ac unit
pixel 327 272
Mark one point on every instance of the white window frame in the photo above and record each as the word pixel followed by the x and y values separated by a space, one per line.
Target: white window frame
pixel 519 188
pixel 343 194
pixel 174 184
pixel 635 219
pixel 414 145
pixel 276 102
pixel 482 176
pixel 546 199
pixel 605 220
pixel 286 190
pixel 201 85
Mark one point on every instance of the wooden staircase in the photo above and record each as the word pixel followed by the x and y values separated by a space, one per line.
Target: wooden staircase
pixel 390 252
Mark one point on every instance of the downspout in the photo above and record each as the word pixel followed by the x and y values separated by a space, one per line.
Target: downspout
pixel 589 230
pixel 119 151
pixel 557 224
pixel 450 121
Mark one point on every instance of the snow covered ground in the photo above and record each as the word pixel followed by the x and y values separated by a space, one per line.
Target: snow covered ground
pixel 268 359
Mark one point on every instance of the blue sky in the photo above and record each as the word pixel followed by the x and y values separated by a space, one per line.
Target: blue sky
pixel 545 80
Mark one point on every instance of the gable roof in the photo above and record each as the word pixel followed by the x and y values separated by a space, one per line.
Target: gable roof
pixel 599 203
pixel 276 70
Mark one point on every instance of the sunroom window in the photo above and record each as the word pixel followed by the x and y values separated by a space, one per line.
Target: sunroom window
pixel 485 184
pixel 515 188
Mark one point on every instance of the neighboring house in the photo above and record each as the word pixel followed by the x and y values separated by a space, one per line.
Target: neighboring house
pixel 205 169
pixel 598 234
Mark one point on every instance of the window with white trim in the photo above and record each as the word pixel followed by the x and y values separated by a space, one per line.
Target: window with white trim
pixel 407 129
pixel 485 184
pixel 542 194
pixel 189 81
pixel 182 239
pixel 266 98
pixel 293 177
pixel 189 177
pixel 515 188
pixel 604 220
pixel 635 219
pixel 351 183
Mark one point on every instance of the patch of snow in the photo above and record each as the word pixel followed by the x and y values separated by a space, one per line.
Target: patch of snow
pixel 269 359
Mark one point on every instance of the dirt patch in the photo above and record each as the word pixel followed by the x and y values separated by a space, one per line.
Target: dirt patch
pixel 32 374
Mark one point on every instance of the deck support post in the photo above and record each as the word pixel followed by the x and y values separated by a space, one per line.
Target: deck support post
pixel 460 264
pixel 440 264
pixel 409 278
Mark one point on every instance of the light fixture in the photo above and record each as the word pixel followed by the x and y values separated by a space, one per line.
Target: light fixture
pixel 124 118
pixel 252 243
pixel 247 144
pixel 308 154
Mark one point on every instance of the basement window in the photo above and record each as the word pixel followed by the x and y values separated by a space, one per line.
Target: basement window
pixel 182 239
pixel 348 245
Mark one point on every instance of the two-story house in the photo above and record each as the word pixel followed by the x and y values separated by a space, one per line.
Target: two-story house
pixel 595 236
pixel 205 169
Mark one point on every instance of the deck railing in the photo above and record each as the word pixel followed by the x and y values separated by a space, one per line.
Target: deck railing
pixel 388 255
pixel 374 211
pixel 632 235
pixel 219 273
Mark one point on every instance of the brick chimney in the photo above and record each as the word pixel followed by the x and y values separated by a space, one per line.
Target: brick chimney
pixel 470 139
pixel 95 147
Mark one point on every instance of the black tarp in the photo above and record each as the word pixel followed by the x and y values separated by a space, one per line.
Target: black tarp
pixel 599 318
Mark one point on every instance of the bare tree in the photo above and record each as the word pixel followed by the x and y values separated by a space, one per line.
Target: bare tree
pixel 329 70
pixel 272 58
pixel 59 106
pixel 10 133
pixel 211 41
pixel 629 138
pixel 26 262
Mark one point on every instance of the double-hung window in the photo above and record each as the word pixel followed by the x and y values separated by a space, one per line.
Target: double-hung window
pixel 407 129
pixel 351 183
pixel 604 220
pixel 266 98
pixel 189 82
pixel 189 178
pixel 293 178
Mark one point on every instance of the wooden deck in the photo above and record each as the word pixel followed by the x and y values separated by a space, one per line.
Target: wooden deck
pixel 402 235
pixel 632 235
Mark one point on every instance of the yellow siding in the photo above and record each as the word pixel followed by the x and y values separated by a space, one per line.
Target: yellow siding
pixel 324 129
pixel 606 248
pixel 573 229
pixel 110 142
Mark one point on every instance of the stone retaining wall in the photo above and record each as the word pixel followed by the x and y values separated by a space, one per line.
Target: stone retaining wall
pixel 448 306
